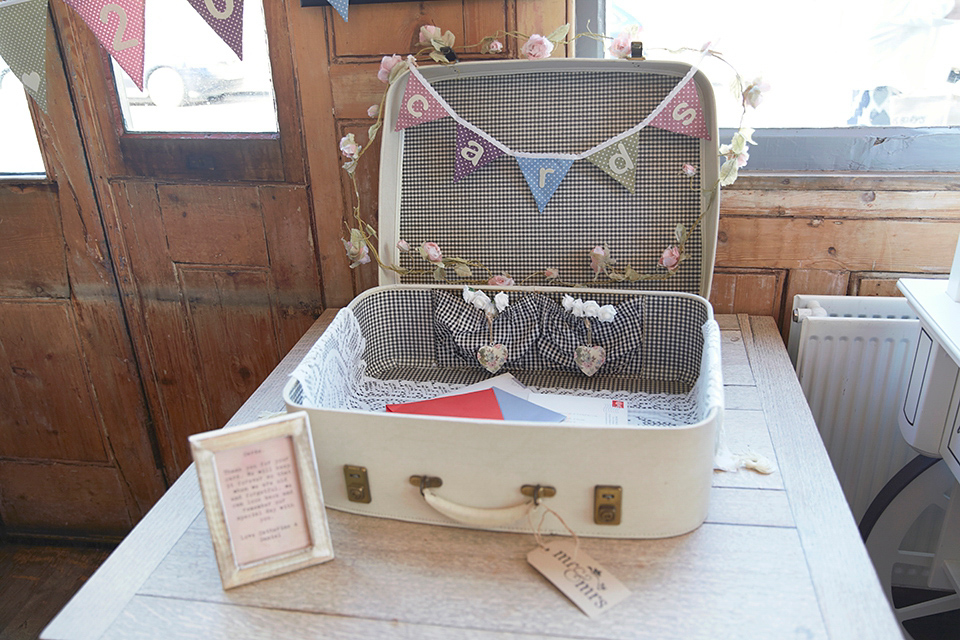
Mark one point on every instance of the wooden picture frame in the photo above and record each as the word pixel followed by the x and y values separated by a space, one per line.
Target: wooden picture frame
pixel 261 493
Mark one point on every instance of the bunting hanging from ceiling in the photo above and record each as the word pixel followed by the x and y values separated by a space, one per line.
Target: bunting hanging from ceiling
pixel 679 111
pixel 225 17
pixel 23 45
pixel 118 25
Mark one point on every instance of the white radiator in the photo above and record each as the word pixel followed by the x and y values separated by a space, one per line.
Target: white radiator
pixel 853 355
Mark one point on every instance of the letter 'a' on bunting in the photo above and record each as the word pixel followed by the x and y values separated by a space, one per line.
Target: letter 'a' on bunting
pixel 118 25
pixel 619 160
pixel 683 114
pixel 418 105
pixel 543 176
pixel 23 45
pixel 225 17
pixel 473 152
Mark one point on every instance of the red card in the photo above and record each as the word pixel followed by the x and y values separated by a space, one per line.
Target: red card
pixel 478 404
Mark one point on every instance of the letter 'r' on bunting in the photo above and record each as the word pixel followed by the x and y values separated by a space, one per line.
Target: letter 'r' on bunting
pixel 619 160
pixel 683 114
pixel 472 153
pixel 418 106
pixel 543 176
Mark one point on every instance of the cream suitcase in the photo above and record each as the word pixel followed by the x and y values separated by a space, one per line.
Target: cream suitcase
pixel 412 340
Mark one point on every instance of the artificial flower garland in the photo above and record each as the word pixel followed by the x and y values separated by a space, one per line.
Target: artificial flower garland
pixel 438 46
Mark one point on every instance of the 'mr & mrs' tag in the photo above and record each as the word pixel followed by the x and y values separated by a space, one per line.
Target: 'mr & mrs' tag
pixel 578 576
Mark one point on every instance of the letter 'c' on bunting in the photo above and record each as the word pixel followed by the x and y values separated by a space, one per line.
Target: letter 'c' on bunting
pixel 418 105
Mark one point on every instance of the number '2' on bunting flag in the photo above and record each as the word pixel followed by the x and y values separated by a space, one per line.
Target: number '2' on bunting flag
pixel 118 25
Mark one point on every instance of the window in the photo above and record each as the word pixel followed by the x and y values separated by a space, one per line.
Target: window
pixel 20 150
pixel 856 84
pixel 193 81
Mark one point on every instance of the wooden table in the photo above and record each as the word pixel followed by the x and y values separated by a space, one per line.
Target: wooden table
pixel 779 556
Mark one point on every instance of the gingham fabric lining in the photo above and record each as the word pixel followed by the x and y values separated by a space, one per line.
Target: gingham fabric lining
pixel 491 215
pixel 432 334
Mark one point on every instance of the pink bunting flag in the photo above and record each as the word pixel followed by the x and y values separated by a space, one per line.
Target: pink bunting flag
pixel 118 25
pixel 683 114
pixel 418 105
pixel 225 17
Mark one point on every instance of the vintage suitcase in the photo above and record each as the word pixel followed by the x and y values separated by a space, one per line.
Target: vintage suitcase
pixel 409 339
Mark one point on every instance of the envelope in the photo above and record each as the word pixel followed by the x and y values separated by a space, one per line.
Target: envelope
pixel 491 404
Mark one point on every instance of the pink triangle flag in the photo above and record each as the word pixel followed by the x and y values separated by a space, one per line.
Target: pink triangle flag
pixel 418 105
pixel 118 25
pixel 473 152
pixel 225 17
pixel 683 114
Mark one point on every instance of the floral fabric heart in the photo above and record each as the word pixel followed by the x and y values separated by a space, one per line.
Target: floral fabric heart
pixel 589 359
pixel 492 357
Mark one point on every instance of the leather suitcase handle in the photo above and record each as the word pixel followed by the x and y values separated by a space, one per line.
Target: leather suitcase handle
pixel 477 516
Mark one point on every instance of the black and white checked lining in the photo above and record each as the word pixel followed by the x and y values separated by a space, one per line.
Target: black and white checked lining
pixel 491 215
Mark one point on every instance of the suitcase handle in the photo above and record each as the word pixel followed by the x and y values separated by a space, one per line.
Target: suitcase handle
pixel 477 516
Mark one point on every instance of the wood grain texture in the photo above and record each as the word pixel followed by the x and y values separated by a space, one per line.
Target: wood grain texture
pixel 880 284
pixel 56 498
pixel 810 281
pixel 846 181
pixel 849 593
pixel 750 291
pixel 872 204
pixel 32 253
pixel 855 244
pixel 682 586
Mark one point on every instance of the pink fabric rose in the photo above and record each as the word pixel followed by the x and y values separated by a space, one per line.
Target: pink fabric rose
pixel 670 258
pixel 403 245
pixel 373 111
pixel 620 47
pixel 429 32
pixel 357 251
pixel 537 47
pixel 598 259
pixel 349 146
pixel 495 47
pixel 500 281
pixel 551 274
pixel 688 170
pixel 430 251
pixel 753 94
pixel 386 66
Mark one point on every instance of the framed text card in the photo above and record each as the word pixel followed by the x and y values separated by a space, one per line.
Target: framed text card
pixel 261 493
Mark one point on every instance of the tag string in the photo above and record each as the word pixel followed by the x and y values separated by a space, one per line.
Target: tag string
pixel 539 537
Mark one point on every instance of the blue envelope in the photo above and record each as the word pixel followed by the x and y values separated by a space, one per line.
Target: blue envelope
pixel 516 408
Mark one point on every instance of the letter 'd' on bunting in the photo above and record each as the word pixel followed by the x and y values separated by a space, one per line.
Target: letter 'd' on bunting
pixel 683 114
pixel 418 106
pixel 472 153
pixel 619 160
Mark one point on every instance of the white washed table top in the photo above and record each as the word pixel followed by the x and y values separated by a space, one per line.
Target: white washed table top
pixel 778 557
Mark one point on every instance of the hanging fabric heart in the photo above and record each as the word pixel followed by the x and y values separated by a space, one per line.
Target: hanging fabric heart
pixel 589 359
pixel 492 357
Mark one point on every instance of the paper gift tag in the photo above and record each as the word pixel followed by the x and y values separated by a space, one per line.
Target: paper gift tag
pixel 578 576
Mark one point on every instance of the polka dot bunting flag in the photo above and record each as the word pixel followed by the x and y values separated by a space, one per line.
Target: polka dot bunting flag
pixel 23 45
pixel 118 25
pixel 544 176
pixel 342 7
pixel 418 105
pixel 683 114
pixel 472 152
pixel 619 160
pixel 225 17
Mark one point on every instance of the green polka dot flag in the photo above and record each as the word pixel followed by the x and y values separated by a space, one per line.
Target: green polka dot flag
pixel 23 44
pixel 619 160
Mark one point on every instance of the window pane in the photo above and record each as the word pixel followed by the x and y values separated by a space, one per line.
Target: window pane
pixel 829 63
pixel 19 151
pixel 194 82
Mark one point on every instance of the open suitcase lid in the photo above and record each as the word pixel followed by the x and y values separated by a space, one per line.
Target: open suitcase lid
pixel 459 179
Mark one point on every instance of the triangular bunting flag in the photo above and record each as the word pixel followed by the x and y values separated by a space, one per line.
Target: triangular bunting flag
pixel 342 7
pixel 544 176
pixel 118 25
pixel 225 17
pixel 418 106
pixel 23 45
pixel 473 152
pixel 683 114
pixel 619 160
